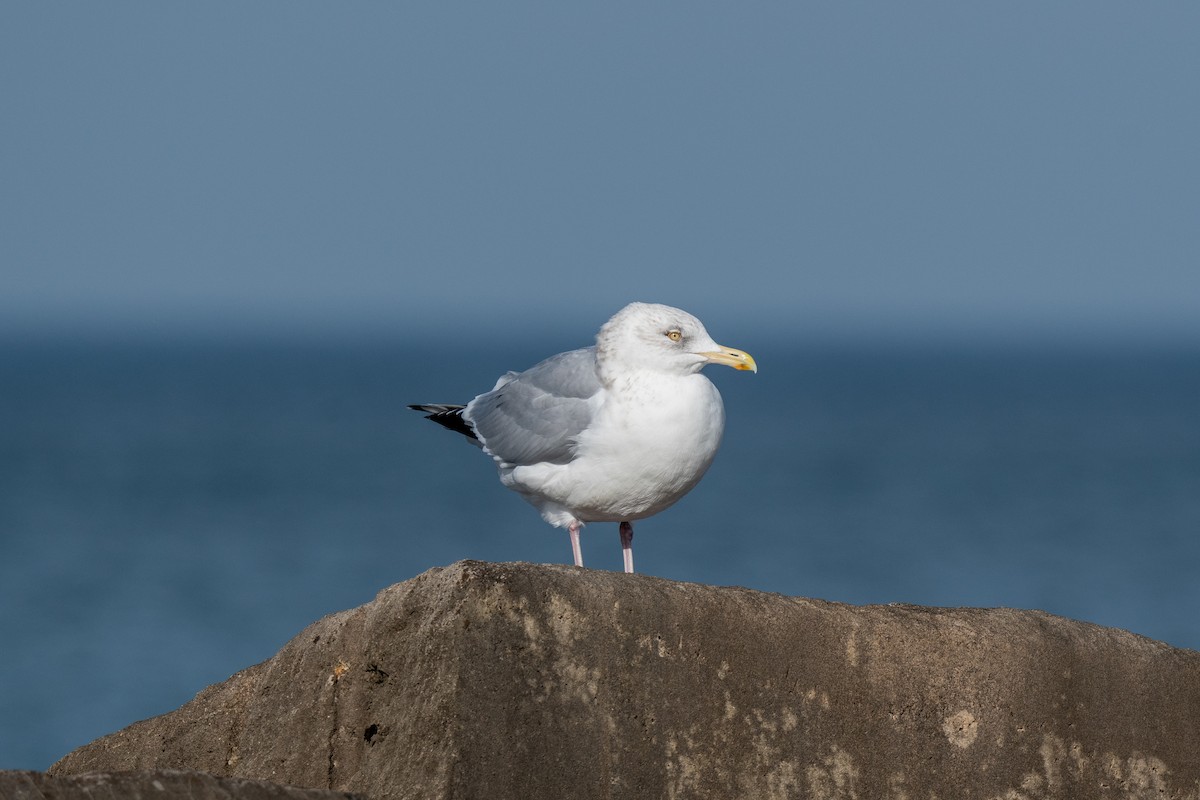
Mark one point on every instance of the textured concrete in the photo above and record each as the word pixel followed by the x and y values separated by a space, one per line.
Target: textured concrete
pixel 525 681
pixel 162 785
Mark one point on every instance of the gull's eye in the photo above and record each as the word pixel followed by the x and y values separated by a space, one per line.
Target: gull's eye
pixel 674 335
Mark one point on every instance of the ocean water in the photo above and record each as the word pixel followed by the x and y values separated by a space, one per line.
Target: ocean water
pixel 172 513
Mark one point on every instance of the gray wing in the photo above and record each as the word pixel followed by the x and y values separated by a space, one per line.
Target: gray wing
pixel 535 415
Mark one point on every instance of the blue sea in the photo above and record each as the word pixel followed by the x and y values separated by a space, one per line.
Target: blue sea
pixel 171 513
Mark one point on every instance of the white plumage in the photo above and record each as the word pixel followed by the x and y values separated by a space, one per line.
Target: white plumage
pixel 612 433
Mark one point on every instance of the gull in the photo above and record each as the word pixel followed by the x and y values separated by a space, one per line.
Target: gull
pixel 616 432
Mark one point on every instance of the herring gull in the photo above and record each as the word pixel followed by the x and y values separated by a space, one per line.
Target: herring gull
pixel 615 432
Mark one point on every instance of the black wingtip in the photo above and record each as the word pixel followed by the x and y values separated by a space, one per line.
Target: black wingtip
pixel 446 415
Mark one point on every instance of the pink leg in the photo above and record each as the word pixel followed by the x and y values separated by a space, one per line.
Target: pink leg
pixel 627 545
pixel 573 529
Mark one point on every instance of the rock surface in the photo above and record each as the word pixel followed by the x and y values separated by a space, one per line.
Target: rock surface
pixel 527 681
pixel 162 785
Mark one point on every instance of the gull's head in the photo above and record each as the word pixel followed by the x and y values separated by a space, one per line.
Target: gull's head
pixel 665 339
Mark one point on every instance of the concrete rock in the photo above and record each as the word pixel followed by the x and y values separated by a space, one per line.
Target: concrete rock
pixel 162 785
pixel 527 681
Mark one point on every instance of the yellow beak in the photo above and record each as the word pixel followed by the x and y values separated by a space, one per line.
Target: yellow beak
pixel 730 358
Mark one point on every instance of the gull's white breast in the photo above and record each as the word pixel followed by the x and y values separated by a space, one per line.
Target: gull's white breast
pixel 653 437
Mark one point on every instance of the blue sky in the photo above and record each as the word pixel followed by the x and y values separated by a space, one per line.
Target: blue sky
pixel 854 168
